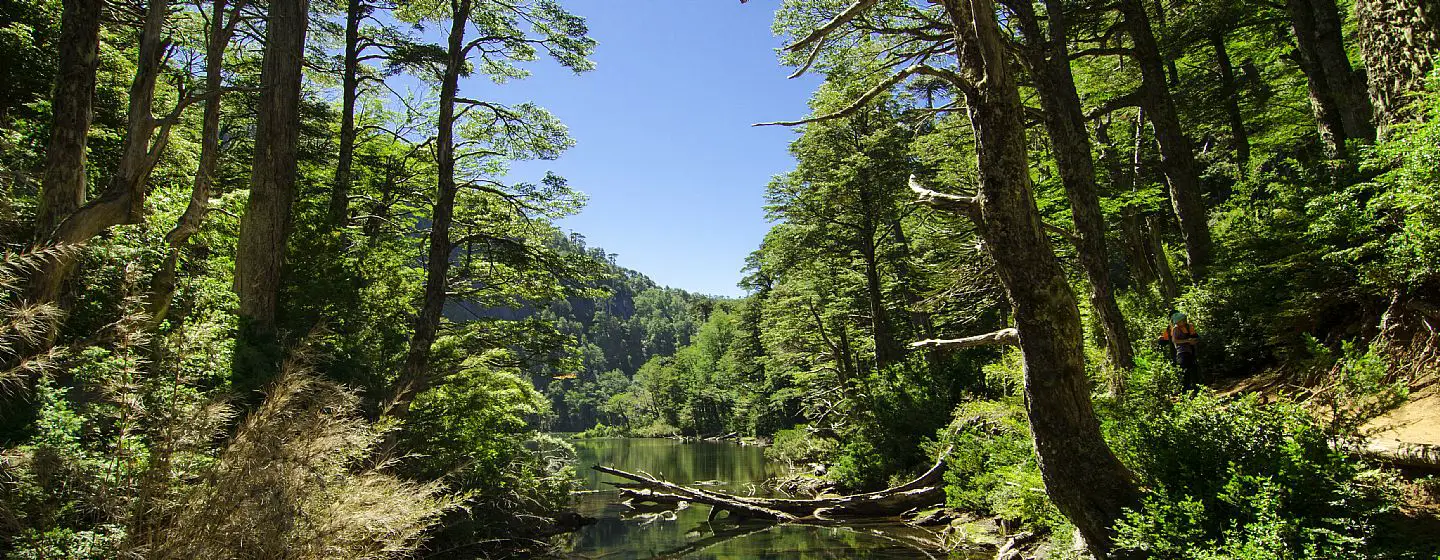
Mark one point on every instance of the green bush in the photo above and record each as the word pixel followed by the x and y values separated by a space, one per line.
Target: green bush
pixel 1239 479
pixel 992 468
pixel 799 446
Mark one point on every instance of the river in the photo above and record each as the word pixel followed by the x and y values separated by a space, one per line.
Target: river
pixel 621 534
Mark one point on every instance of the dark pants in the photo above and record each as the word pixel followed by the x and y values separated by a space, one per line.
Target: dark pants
pixel 1189 370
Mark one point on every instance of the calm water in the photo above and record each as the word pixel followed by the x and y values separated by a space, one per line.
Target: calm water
pixel 624 533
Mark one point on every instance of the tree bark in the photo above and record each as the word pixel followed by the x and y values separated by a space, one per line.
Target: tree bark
pixel 350 91
pixel 1082 476
pixel 62 188
pixel 1231 92
pixel 1337 94
pixel 260 252
pixel 1399 40
pixel 1049 59
pixel 162 285
pixel 414 377
pixel 124 196
pixel 1177 158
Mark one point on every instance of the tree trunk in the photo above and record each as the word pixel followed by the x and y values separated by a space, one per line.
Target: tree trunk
pixel 1177 158
pixel 920 321
pixel 885 348
pixel 1156 250
pixel 1231 93
pixel 349 91
pixel 1337 94
pixel 1065 122
pixel 62 189
pixel 1399 40
pixel 414 378
pixel 124 196
pixel 260 252
pixel 162 285
pixel 1083 477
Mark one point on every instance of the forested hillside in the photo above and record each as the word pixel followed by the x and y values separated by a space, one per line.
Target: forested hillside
pixel 270 288
pixel 625 322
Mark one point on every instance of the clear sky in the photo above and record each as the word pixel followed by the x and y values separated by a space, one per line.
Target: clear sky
pixel 665 151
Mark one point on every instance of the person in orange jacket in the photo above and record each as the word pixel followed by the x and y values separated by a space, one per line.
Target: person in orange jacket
pixel 1183 337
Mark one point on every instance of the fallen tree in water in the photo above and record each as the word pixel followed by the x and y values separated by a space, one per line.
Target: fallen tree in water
pixel 924 491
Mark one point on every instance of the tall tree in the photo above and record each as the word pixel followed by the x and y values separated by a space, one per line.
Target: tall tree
pixel 62 188
pixel 502 37
pixel 260 251
pixel 1083 477
pixel 221 28
pixel 1177 157
pixel 1048 57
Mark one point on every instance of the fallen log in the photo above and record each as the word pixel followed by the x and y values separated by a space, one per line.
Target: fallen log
pixel 1420 456
pixel 925 490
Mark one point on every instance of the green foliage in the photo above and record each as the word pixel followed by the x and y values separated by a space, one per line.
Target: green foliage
pixel 992 468
pixel 1239 479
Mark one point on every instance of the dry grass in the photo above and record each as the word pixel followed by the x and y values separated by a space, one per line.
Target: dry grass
pixel 291 485
pixel 25 328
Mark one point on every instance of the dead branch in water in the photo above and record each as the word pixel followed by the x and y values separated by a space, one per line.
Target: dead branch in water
pixel 926 490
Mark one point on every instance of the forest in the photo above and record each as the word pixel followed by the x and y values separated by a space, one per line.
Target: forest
pixel 267 289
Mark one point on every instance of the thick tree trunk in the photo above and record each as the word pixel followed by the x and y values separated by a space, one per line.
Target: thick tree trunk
pixel 124 196
pixel 1082 476
pixel 1177 158
pixel 349 91
pixel 260 252
pixel 162 285
pixel 414 378
pixel 1337 93
pixel 1231 92
pixel 1399 40
pixel 1065 122
pixel 62 189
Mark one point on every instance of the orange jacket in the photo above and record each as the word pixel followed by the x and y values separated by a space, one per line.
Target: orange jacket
pixel 1183 332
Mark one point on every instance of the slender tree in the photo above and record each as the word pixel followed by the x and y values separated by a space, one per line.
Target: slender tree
pixel 507 133
pixel 1177 157
pixel 1048 57
pixel 221 27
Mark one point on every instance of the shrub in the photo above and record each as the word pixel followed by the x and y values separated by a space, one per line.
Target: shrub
pixel 992 468
pixel 1240 479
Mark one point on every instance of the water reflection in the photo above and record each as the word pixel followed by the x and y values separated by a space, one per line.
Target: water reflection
pixel 624 533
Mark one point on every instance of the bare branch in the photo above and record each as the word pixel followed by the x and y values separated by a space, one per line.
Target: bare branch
pixel 809 60
pixel 1002 337
pixel 824 31
pixel 964 204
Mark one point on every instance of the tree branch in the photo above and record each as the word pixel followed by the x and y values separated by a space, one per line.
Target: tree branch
pixel 957 80
pixel 1131 99
pixel 829 27
pixel 964 204
pixel 1002 337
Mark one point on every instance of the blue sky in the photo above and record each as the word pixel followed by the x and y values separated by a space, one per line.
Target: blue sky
pixel 665 151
